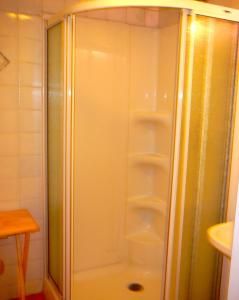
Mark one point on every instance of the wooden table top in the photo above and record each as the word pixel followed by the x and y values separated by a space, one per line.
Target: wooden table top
pixel 16 222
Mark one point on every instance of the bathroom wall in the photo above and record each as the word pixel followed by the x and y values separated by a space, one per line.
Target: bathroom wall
pixel 21 41
pixel 21 122
pixel 21 129
pixel 36 7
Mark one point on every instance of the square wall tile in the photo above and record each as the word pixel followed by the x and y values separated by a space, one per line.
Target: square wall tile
pixel 9 167
pixel 35 269
pixel 152 18
pixel 70 2
pixel 38 235
pixel 53 6
pixel 30 6
pixel 98 14
pixel 8 254
pixel 36 250
pixel 30 75
pixel 31 98
pixel 11 291
pixel 30 50
pixel 9 277
pixel 84 14
pixel 9 121
pixel 8 5
pixel 30 188
pixel 9 142
pixel 117 14
pixel 30 144
pixel 9 190
pixel 9 75
pixel 9 205
pixel 34 206
pixel 21 41
pixel 136 16
pixel 30 121
pixel 9 47
pixel 31 27
pixel 7 241
pixel 30 166
pixel 8 23
pixel 9 99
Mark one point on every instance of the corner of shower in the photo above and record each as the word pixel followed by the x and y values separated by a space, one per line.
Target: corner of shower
pixel 141 163
pixel 59 106
pixel 118 111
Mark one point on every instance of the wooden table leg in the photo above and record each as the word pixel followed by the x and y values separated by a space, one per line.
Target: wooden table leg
pixel 25 253
pixel 21 281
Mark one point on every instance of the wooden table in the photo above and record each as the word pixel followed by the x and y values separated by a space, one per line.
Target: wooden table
pixel 15 223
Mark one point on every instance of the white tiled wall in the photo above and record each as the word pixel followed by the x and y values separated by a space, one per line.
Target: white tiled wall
pixel 34 7
pixel 133 16
pixel 21 129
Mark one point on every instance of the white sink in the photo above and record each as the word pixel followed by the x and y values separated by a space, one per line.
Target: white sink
pixel 220 236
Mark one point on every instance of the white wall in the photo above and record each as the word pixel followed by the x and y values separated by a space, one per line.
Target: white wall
pixel 21 129
pixel 34 6
pixel 21 41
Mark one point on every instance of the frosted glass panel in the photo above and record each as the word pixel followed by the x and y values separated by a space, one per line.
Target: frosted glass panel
pixel 209 154
pixel 55 152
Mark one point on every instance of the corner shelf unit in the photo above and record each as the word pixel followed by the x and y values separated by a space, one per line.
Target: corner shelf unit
pixel 145 237
pixel 149 202
pixel 150 165
pixel 149 159
pixel 151 116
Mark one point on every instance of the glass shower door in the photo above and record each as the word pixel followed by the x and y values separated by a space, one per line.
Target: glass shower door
pixel 55 151
pixel 212 54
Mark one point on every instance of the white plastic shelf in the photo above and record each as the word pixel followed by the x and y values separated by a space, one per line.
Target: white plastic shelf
pixel 145 237
pixel 149 159
pixel 149 202
pixel 147 116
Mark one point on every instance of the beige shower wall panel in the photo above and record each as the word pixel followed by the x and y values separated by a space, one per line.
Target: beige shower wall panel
pixel 143 97
pixel 117 74
pixel 101 113
pixel 144 53
pixel 166 95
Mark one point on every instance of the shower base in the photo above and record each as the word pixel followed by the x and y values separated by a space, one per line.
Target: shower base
pixel 118 282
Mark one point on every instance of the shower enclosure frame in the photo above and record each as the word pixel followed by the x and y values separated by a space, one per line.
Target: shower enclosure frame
pixel 183 102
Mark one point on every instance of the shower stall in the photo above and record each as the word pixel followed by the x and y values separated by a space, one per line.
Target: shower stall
pixel 141 109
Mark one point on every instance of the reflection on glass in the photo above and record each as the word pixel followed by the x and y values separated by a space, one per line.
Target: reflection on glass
pixel 209 154
pixel 55 152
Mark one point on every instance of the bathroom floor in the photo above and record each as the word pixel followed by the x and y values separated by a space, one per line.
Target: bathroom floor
pixel 112 283
pixel 35 297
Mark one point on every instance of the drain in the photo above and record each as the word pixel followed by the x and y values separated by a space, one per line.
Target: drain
pixel 135 287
